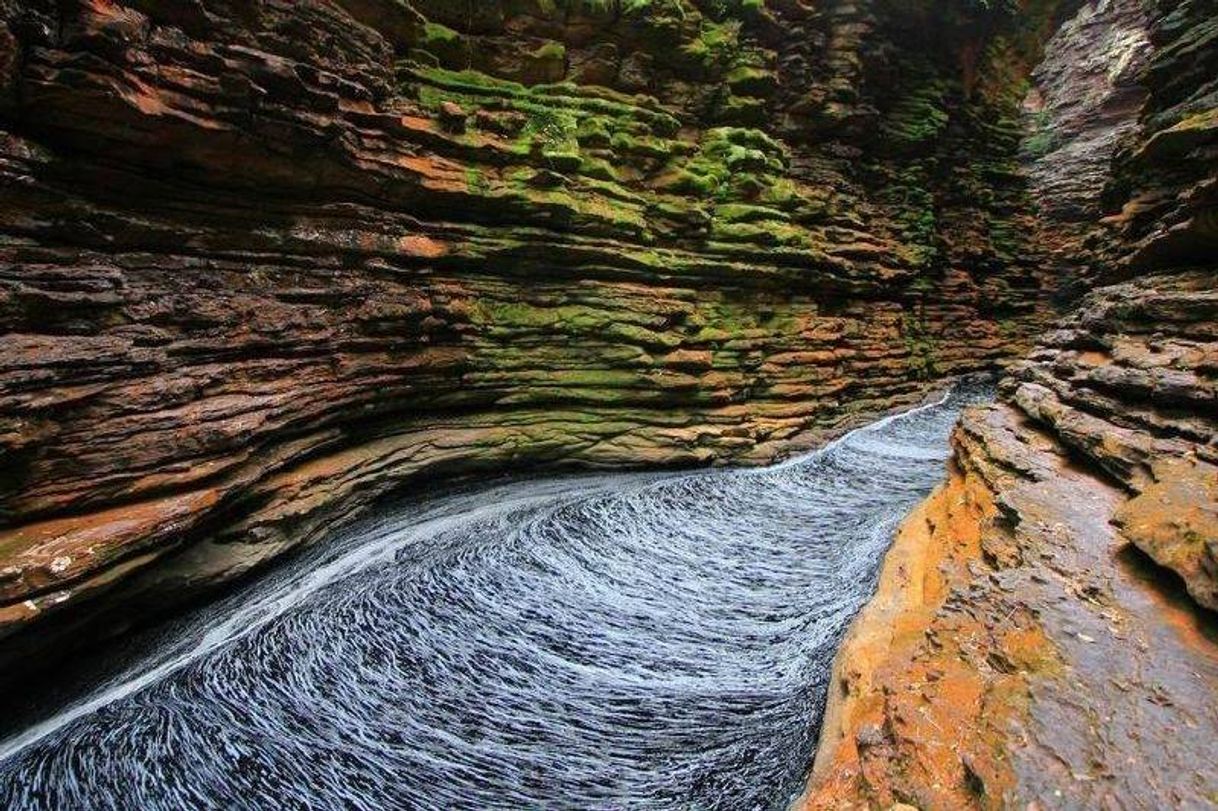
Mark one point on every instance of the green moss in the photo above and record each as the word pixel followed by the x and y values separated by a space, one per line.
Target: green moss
pixel 731 162
pixel 551 51
pixel 436 33
pixel 471 82
pixel 643 337
pixel 598 168
pixel 654 8
pixel 768 233
pixel 1040 144
pixel 595 131
pixel 1007 239
pixel 644 146
pixel 1041 139
pixel 741 212
pixel 548 63
pixel 680 210
pixel 918 116
pixel 548 125
pixel 922 348
pixel 476 181
pixel 1009 328
pixel 722 9
pixel 913 212
pixel 562 160
pixel 747 80
pixel 741 110
pixel 443 43
pixel 685 181
pixel 783 193
pixel 715 47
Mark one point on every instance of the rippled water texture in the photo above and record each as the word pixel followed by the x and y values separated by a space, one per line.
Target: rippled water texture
pixel 657 641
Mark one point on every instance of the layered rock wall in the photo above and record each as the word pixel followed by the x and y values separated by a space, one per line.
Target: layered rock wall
pixel 262 261
pixel 1018 654
pixel 1083 107
pixel 1129 381
pixel 1044 636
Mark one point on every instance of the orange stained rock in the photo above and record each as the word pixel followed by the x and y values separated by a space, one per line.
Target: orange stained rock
pixel 1013 656
pixel 50 554
pixel 1175 521
pixel 422 246
pixel 911 714
pixel 417 123
pixel 436 173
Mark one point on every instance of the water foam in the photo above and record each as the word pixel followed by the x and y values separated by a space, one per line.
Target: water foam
pixel 637 641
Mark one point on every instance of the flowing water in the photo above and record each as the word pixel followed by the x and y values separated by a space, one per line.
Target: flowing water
pixel 627 641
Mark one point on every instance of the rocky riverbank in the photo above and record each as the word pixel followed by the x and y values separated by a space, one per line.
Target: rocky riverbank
pixel 1043 636
pixel 1020 652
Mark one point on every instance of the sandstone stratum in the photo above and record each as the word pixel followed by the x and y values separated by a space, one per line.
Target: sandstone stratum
pixel 266 262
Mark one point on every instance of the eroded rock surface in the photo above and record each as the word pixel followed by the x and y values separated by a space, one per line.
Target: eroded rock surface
pixel 1129 386
pixel 1129 380
pixel 1044 635
pixel 1083 107
pixel 1019 653
pixel 261 262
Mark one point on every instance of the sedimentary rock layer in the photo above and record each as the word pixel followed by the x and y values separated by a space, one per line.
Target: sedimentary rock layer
pixel 1041 637
pixel 262 261
pixel 1019 653
pixel 1082 108
pixel 1128 384
pixel 1129 380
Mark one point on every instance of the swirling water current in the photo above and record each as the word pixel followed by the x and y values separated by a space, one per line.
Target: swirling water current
pixel 626 641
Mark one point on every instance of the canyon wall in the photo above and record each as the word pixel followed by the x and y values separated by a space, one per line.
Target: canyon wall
pixel 263 261
pixel 1043 634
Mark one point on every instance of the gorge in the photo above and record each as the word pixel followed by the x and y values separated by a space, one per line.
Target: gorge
pixel 266 264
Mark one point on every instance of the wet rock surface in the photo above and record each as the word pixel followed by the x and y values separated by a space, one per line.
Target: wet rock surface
pixel 1021 653
pixel 1128 381
pixel 263 263
pixel 1083 108
pixel 1128 384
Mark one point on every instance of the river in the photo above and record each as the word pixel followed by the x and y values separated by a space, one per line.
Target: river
pixel 624 641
